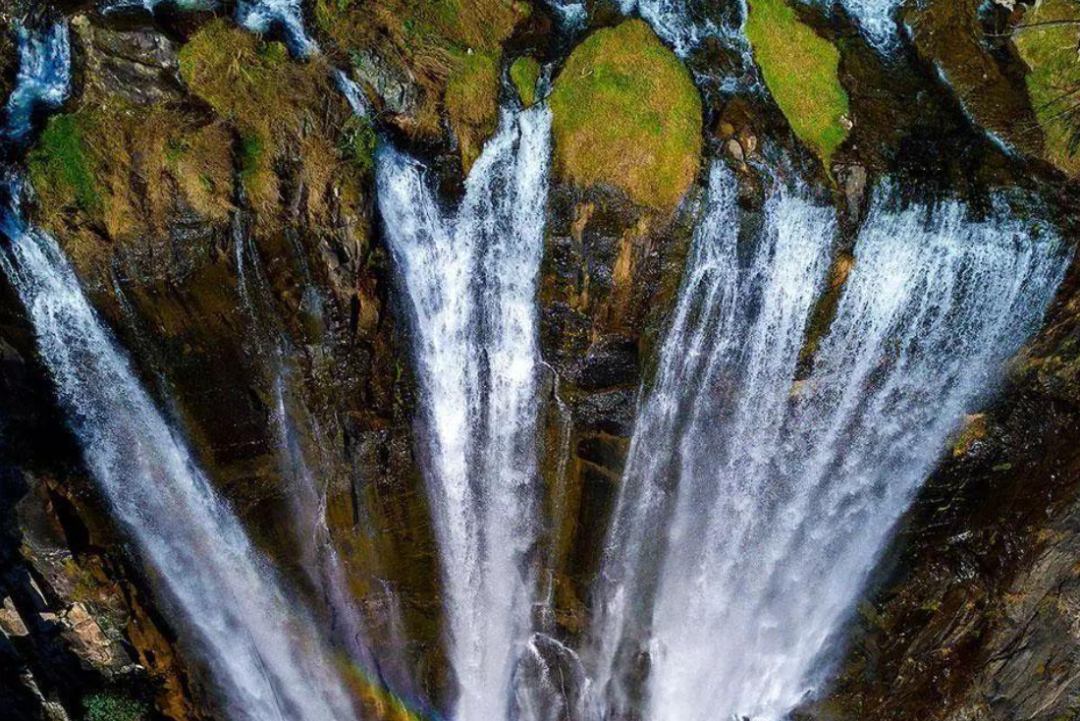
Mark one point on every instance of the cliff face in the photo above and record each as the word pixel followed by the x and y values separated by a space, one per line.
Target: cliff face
pixel 215 194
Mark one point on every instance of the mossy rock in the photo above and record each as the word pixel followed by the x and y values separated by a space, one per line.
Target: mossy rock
pixel 85 162
pixel 472 103
pixel 1046 40
pixel 447 52
pixel 625 113
pixel 525 73
pixel 801 70
pixel 283 111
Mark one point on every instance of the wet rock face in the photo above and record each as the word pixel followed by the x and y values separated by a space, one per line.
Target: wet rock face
pixel 609 277
pixel 74 620
pixel 950 37
pixel 257 285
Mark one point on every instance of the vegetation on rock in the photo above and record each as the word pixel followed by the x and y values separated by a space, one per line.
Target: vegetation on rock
pixel 800 69
pixel 471 105
pixel 450 49
pixel 60 166
pixel 1047 41
pixel 625 113
pixel 525 72
pixel 108 706
pixel 85 161
pixel 270 100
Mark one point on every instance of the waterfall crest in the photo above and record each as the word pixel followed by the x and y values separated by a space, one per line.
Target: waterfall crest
pixel 469 279
pixel 261 16
pixel 263 651
pixel 774 497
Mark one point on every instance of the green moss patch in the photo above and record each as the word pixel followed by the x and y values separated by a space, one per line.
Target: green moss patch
pixel 109 706
pixel 358 143
pixel 525 72
pixel 625 113
pixel 1046 39
pixel 61 165
pixel 800 69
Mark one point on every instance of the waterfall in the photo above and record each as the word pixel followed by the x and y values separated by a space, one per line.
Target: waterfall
pixel 261 16
pixel 262 649
pixel 774 498
pixel 739 320
pixel 686 24
pixel 469 280
pixel 875 19
pixel 42 80
pixel 322 565
pixel 115 6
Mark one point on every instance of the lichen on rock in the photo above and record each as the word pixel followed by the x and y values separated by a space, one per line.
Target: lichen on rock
pixel 626 114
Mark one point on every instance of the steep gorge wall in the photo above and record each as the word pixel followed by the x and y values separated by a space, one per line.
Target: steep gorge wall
pixel 185 158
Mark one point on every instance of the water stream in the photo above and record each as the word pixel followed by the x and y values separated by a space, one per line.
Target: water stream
pixel 221 589
pixel 469 280
pixel 771 499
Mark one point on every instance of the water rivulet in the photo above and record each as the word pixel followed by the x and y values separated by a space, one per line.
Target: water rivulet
pixel 754 505
pixel 469 280
pixel 262 651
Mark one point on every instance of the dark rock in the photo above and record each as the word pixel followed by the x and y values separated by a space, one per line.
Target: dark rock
pixel 610 361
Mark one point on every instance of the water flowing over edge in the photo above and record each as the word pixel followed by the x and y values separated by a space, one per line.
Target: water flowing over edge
pixel 772 496
pixel 470 283
pixel 203 564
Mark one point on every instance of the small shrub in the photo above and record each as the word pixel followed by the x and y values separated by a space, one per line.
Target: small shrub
pixel 110 706
pixel 358 143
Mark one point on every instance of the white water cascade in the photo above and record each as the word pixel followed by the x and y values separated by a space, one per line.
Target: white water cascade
pixel 261 16
pixel 713 331
pixel 42 80
pixel 773 498
pixel 261 648
pixel 470 280
pixel 876 19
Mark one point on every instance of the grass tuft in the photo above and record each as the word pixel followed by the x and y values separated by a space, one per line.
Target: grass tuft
pixel 800 69
pixel 625 113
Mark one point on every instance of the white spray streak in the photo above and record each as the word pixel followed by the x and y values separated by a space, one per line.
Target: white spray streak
pixel 470 282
